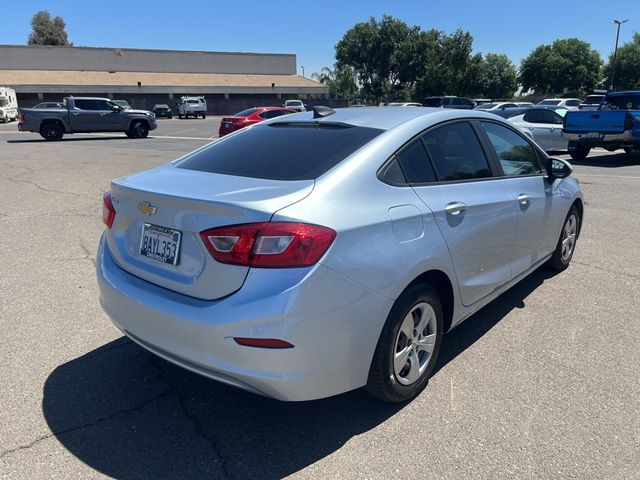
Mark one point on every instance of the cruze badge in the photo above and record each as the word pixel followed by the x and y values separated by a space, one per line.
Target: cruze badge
pixel 147 208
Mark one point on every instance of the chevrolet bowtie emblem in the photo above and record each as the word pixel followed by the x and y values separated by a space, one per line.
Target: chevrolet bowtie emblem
pixel 147 208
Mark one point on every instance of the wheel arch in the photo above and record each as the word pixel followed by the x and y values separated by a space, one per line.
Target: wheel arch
pixel 443 286
pixel 139 119
pixel 580 207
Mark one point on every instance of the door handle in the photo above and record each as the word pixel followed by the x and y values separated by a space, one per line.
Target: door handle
pixel 524 199
pixel 454 208
pixel 75 113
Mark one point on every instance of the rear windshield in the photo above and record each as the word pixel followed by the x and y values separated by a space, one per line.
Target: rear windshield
pixel 621 102
pixel 593 100
pixel 486 106
pixel 549 102
pixel 193 101
pixel 296 103
pixel 432 102
pixel 245 113
pixel 281 151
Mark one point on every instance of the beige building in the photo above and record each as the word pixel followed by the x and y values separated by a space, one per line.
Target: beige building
pixel 229 81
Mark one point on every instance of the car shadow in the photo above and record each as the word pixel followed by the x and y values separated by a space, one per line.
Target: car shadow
pixel 609 160
pixel 76 139
pixel 127 413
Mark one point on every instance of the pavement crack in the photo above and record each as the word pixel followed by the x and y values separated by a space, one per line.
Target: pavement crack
pixel 163 394
pixel 40 187
pixel 608 270
pixel 198 428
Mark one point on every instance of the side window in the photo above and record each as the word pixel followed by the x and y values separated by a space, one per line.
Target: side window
pixel 552 117
pixel 573 103
pixel 85 104
pixel 456 153
pixel 415 163
pixel 393 174
pixel 534 116
pixel 103 105
pixel 517 156
pixel 266 114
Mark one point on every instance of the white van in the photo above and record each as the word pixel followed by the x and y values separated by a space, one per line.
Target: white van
pixel 8 105
pixel 192 107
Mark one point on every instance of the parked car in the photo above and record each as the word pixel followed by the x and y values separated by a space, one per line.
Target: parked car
pixel 542 124
pixel 592 102
pixel 250 116
pixel 480 101
pixel 310 255
pixel 162 110
pixel 49 105
pixel 296 105
pixel 86 114
pixel 405 104
pixel 525 104
pixel 487 107
pixel 192 107
pixel 123 103
pixel 8 104
pixel 568 103
pixel 449 102
pixel 616 124
pixel 562 111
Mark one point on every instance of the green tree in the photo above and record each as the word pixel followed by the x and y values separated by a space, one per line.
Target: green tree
pixel 567 65
pixel 378 52
pixel 324 76
pixel 48 31
pixel 342 81
pixel 498 76
pixel 627 65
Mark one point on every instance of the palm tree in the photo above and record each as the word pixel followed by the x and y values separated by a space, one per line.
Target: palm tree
pixel 325 76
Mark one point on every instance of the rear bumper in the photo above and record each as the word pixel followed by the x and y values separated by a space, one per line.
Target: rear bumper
pixel 333 323
pixel 584 138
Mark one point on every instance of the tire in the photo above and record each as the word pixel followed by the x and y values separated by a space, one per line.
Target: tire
pixel 580 153
pixel 170 117
pixel 631 151
pixel 51 132
pixel 138 129
pixel 566 245
pixel 402 380
pixel 204 115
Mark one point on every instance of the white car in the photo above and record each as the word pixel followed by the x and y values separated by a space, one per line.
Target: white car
pixel 296 105
pixel 568 103
pixel 488 107
pixel 542 124
pixel 525 104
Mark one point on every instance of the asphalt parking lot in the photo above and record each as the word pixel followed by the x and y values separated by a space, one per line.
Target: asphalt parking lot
pixel 542 383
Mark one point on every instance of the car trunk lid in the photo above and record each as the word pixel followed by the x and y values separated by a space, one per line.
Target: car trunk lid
pixel 180 203
pixel 597 121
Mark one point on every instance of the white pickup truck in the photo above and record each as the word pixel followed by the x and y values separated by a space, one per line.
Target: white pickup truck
pixel 192 107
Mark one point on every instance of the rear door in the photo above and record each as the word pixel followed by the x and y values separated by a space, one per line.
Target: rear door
pixel 539 129
pixel 474 209
pixel 85 117
pixel 554 122
pixel 538 203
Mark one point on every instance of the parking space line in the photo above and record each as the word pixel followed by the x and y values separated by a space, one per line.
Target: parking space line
pixel 578 174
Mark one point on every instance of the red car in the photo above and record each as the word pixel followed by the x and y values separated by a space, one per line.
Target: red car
pixel 249 117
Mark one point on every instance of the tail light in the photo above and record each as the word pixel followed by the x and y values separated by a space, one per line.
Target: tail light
pixel 108 212
pixel 21 117
pixel 270 244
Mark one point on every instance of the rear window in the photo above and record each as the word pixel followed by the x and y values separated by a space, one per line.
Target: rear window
pixel 593 100
pixel 193 101
pixel 486 106
pixel 281 151
pixel 245 113
pixel 432 102
pixel 621 102
pixel 550 102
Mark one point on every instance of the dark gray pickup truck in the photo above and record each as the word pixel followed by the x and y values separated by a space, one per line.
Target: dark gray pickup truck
pixel 86 114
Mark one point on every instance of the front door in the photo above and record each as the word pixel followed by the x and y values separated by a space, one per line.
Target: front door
pixel 538 203
pixel 474 210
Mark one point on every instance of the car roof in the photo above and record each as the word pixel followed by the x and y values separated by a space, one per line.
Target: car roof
pixel 383 118
pixel 624 92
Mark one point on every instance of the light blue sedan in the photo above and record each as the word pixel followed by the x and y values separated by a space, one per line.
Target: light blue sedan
pixel 325 251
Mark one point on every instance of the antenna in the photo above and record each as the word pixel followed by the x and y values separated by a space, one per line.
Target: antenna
pixel 320 111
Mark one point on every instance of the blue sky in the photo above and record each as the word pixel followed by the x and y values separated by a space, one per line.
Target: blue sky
pixel 311 29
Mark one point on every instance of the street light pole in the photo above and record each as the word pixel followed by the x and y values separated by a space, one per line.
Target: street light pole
pixel 615 51
pixel 302 67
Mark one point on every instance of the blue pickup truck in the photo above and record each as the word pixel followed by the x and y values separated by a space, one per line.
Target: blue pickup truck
pixel 616 124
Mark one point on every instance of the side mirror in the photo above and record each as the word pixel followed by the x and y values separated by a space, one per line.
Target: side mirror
pixel 558 168
pixel 116 108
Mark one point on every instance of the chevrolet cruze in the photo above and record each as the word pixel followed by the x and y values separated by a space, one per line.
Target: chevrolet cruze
pixel 317 253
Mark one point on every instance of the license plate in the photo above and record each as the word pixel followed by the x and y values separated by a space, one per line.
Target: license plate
pixel 593 135
pixel 160 243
